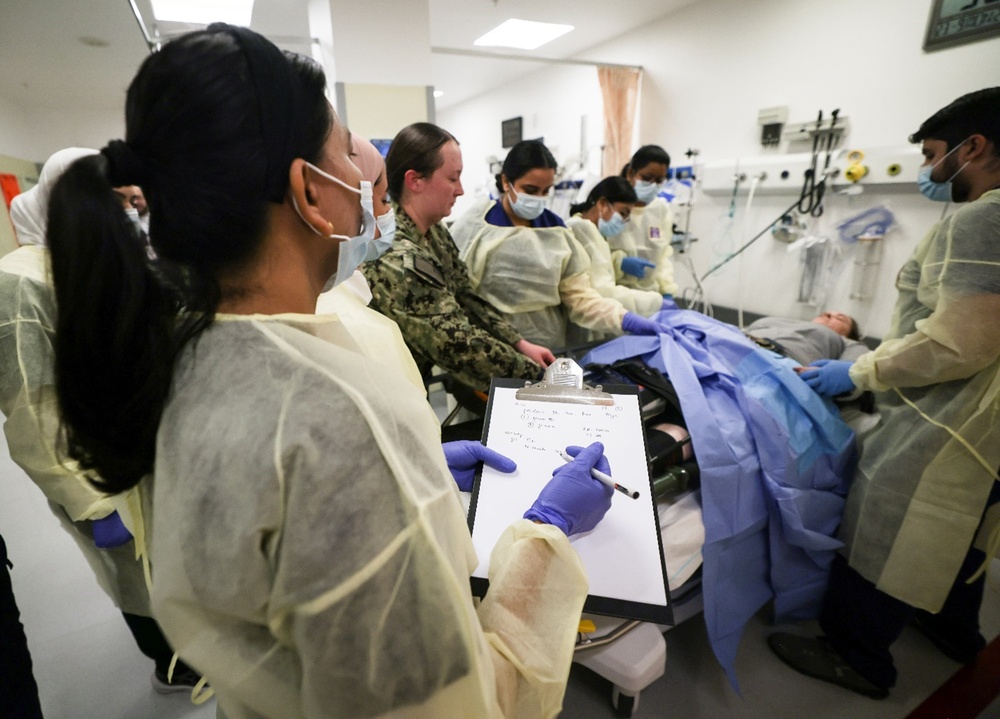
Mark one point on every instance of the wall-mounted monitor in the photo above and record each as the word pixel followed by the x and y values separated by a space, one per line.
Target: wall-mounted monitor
pixel 382 146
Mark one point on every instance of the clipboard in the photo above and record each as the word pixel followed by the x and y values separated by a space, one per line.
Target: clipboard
pixel 623 555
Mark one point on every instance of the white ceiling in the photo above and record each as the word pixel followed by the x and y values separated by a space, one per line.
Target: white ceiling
pixel 45 60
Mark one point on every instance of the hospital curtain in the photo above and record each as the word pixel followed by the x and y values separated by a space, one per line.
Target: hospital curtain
pixel 620 90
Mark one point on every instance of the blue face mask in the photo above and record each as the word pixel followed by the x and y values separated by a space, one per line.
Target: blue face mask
pixel 646 191
pixel 355 250
pixel 612 227
pixel 527 207
pixel 937 191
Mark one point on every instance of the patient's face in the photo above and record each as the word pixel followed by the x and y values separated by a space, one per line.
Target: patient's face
pixel 836 321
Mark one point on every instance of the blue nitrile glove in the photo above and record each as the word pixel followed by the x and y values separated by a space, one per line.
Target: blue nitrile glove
pixel 829 377
pixel 573 500
pixel 636 266
pixel 463 458
pixel 639 325
pixel 110 532
pixel 668 303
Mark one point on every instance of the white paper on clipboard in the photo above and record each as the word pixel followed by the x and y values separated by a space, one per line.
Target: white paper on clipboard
pixel 623 554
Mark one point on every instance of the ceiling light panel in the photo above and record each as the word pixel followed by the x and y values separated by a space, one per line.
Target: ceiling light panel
pixel 522 34
pixel 204 12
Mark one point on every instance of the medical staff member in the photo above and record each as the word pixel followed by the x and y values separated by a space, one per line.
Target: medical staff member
pixel 920 520
pixel 309 551
pixel 646 238
pixel 377 336
pixel 27 400
pixel 523 258
pixel 605 213
pixel 421 284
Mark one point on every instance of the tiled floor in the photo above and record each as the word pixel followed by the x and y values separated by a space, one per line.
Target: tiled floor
pixel 88 667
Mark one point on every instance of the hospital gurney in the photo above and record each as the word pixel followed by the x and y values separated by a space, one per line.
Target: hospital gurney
pixel 630 654
pixel 789 456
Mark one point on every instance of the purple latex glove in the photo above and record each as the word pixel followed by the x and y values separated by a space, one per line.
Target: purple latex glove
pixel 636 266
pixel 829 377
pixel 669 303
pixel 463 458
pixel 573 500
pixel 639 325
pixel 110 532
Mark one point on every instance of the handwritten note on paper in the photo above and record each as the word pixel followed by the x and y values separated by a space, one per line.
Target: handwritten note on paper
pixel 622 555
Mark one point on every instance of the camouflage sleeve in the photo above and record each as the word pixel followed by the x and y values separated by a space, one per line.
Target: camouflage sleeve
pixel 489 316
pixel 410 289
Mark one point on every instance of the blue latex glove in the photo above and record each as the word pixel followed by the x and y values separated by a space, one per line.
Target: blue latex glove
pixel 639 325
pixel 463 458
pixel 636 266
pixel 110 532
pixel 668 303
pixel 829 377
pixel 573 500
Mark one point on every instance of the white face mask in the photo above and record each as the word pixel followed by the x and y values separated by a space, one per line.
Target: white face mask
pixel 133 215
pixel 527 207
pixel 353 250
pixel 387 232
pixel 647 191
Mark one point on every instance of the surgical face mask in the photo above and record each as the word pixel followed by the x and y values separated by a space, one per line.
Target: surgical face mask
pixel 612 227
pixel 387 232
pixel 353 250
pixel 133 215
pixel 647 191
pixel 527 207
pixel 938 191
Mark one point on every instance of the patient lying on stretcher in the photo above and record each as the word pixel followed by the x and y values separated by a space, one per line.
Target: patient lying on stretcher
pixel 775 461
pixel 831 335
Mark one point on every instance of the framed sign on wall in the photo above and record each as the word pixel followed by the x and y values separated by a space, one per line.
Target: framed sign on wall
pixel 953 22
pixel 510 132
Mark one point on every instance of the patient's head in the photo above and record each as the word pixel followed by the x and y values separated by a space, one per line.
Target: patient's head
pixel 840 323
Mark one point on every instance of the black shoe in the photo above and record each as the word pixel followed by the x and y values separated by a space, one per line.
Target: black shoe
pixel 182 681
pixel 818 659
pixel 962 652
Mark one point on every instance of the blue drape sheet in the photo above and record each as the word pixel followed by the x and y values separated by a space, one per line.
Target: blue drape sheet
pixel 775 462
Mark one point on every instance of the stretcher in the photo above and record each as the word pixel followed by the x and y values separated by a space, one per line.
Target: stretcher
pixel 633 655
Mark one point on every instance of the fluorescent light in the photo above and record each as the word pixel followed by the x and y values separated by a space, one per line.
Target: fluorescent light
pixel 204 12
pixel 522 34
pixel 438 93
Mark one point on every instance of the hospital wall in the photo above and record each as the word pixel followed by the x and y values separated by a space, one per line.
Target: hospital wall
pixel 708 70
pixel 34 133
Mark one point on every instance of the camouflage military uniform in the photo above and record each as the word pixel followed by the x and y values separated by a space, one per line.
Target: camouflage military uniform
pixel 423 285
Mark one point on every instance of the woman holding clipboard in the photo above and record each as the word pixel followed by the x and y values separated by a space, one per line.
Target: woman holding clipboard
pixel 309 551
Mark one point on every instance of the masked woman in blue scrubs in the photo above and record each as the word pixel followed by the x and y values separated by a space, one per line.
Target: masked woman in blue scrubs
pixel 523 258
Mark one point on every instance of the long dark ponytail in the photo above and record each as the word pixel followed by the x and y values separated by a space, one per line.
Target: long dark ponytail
pixel 114 342
pixel 213 121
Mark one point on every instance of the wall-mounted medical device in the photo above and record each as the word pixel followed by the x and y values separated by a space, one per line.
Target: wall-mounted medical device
pixel 887 167
pixel 772 120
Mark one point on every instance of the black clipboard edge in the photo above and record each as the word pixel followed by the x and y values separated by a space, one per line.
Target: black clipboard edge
pixel 606 606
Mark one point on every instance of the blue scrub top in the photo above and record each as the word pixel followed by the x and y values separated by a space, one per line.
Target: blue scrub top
pixel 497 216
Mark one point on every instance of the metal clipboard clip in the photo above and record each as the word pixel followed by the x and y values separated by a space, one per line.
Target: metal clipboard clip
pixel 563 382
